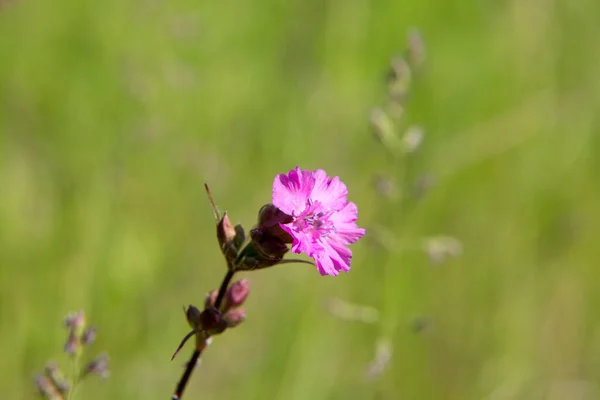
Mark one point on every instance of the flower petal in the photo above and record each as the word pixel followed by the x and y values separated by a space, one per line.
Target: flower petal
pixel 331 193
pixel 291 191
pixel 345 226
pixel 334 258
pixel 325 265
pixel 302 241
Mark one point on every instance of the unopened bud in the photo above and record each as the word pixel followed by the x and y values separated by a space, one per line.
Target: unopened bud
pixel 416 49
pixel 225 235
pixel 211 298
pixel 269 220
pixel 89 335
pixel 225 230
pixel 270 247
pixel 47 388
pixel 412 139
pixel 260 254
pixel 57 377
pixel 384 130
pixel 193 316
pixel 234 317
pixel 73 344
pixel 212 322
pixel 236 295
pixel 75 321
pixel 99 367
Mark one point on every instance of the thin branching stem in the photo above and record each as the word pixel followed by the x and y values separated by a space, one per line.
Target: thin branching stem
pixel 182 384
pixel 223 288
pixel 76 376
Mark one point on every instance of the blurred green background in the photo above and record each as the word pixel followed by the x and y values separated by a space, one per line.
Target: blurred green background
pixel 114 113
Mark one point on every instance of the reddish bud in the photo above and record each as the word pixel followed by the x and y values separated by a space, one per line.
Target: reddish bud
pixel 235 317
pixel 225 230
pixel 99 367
pixel 225 235
pixel 212 322
pixel 269 220
pixel 231 238
pixel 236 295
pixel 89 336
pixel 270 247
pixel 209 300
pixel 75 322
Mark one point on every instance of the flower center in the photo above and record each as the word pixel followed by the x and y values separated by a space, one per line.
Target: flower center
pixel 315 220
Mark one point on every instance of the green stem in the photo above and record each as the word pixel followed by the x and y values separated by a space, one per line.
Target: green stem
pixel 76 373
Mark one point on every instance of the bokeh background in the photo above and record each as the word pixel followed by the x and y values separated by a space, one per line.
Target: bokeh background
pixel 478 277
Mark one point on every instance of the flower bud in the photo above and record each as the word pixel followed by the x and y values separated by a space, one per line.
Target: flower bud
pixel 193 316
pixel 57 377
pixel 75 321
pixel 415 49
pixel 73 344
pixel 269 220
pixel 212 322
pixel 399 79
pixel 47 388
pixel 89 336
pixel 236 295
pixel 211 298
pixel 225 230
pixel 271 248
pixel 384 130
pixel 235 317
pixel 99 367
pixel 225 235
pixel 260 254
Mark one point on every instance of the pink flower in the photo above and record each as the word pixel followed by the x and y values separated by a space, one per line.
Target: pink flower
pixel 323 221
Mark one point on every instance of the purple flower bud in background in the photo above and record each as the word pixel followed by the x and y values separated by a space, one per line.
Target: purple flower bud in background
pixel 99 367
pixel 57 377
pixel 47 388
pixel 73 344
pixel 89 336
pixel 75 321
